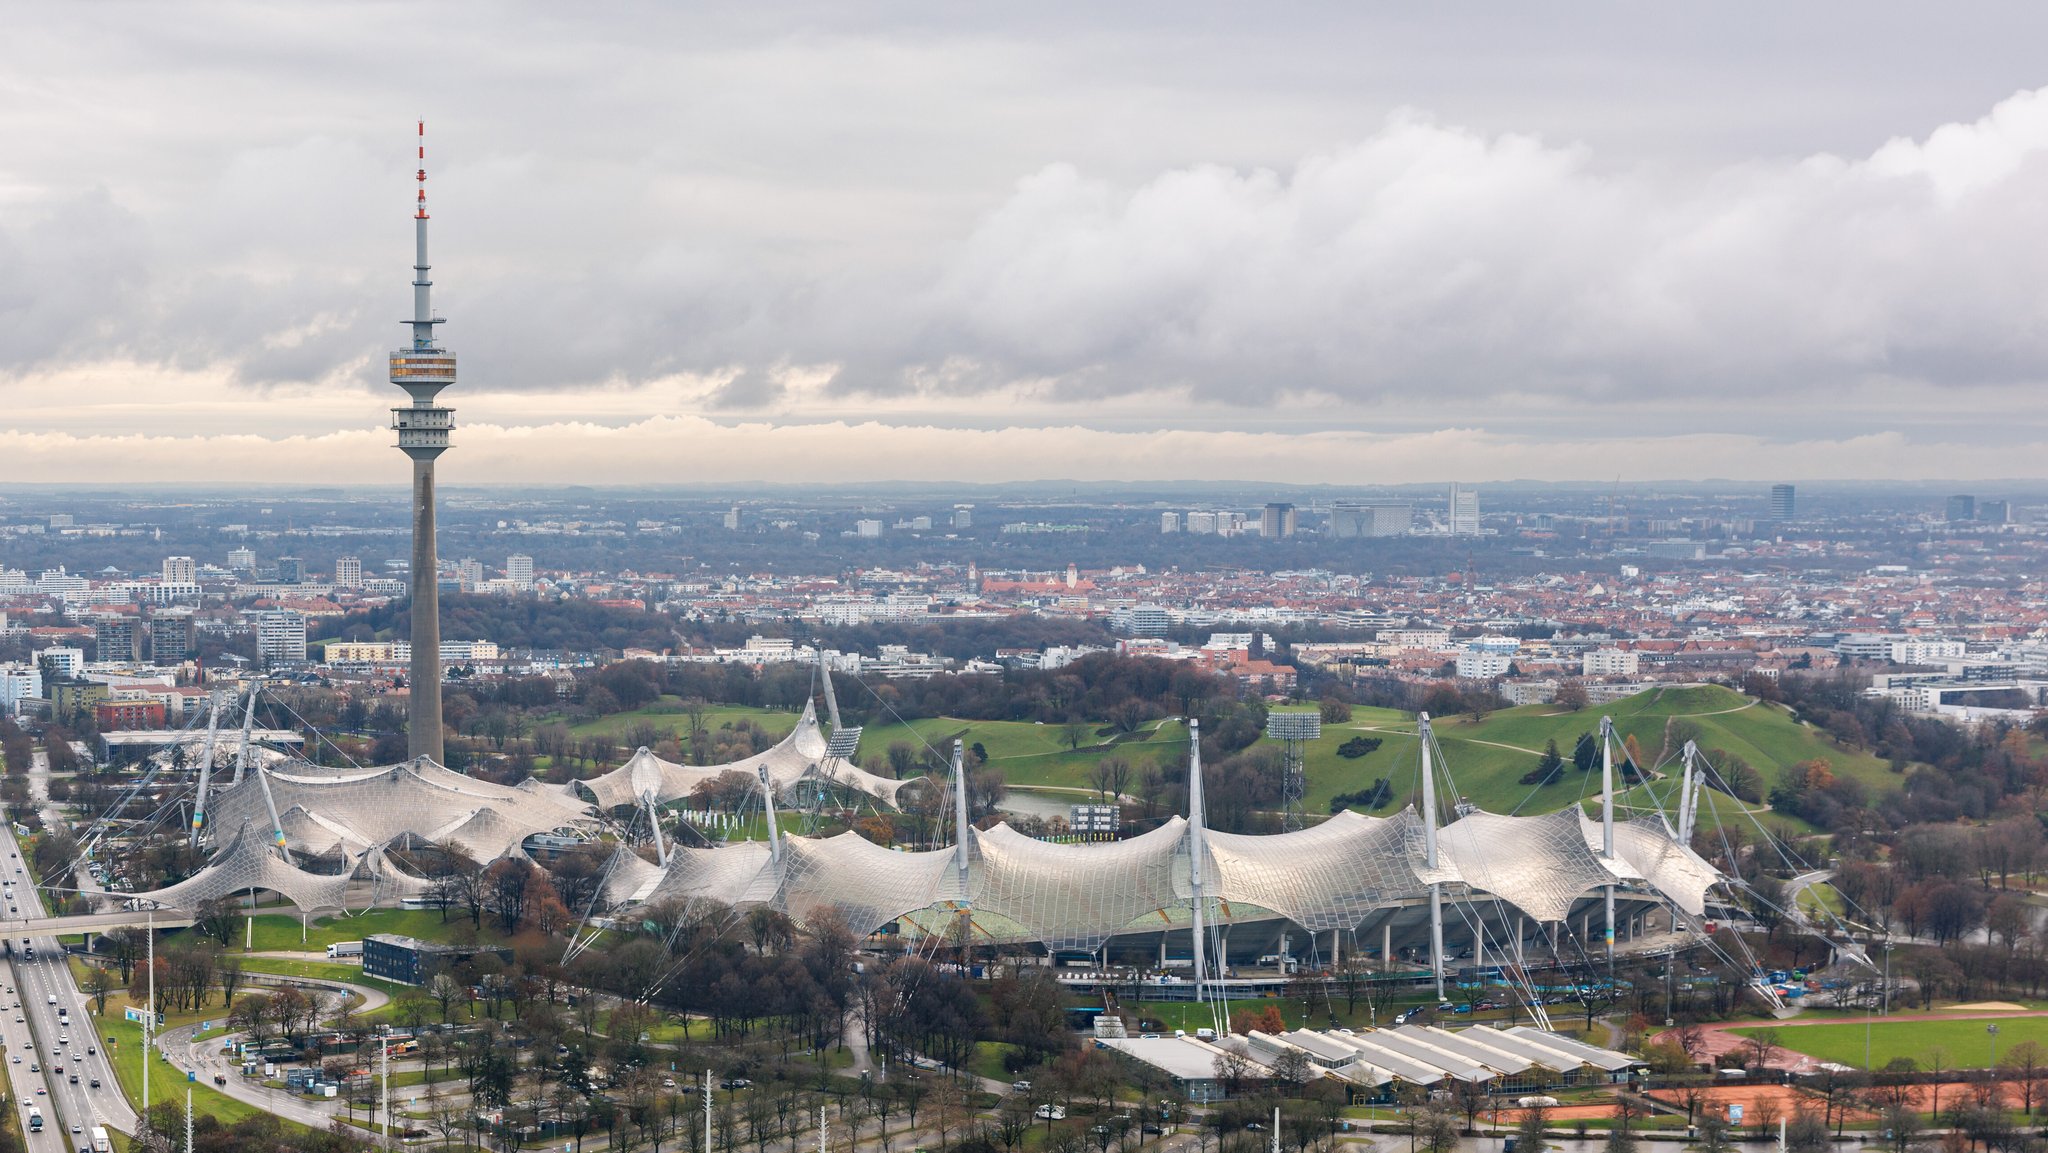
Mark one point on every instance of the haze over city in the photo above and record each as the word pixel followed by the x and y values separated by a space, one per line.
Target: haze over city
pixel 1328 244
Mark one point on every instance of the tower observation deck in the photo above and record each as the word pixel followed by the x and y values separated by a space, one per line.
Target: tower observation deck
pixel 423 429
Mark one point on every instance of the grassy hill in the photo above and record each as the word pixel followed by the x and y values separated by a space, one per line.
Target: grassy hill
pixel 1487 758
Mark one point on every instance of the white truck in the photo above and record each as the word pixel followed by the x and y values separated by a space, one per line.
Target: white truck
pixel 101 1143
pixel 345 949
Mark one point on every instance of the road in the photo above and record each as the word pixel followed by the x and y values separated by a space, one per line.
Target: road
pixel 31 1028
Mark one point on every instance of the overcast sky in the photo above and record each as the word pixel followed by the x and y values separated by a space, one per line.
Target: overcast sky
pixel 1335 243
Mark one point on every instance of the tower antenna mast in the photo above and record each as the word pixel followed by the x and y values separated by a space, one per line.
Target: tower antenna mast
pixel 423 428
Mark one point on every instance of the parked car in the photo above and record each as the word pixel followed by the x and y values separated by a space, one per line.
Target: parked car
pixel 1050 1113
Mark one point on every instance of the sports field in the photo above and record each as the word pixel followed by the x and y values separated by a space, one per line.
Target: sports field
pixel 1960 1044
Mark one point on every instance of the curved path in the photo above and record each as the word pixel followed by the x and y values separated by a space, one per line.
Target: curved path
pixel 183 1050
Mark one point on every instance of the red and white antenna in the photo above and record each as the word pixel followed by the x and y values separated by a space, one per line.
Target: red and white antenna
pixel 422 214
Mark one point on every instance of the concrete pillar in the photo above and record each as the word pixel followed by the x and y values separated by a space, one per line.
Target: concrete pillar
pixel 1387 941
pixel 423 705
pixel 1479 945
pixel 1162 950
pixel 1336 949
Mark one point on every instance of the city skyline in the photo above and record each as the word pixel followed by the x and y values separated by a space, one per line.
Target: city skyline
pixel 1700 256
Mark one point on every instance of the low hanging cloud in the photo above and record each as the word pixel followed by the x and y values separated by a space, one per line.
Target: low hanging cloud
pixel 1430 260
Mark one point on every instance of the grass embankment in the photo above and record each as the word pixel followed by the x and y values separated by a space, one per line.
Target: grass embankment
pixel 667 717
pixel 1962 1044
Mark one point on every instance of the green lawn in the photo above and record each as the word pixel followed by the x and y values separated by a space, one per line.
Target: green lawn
pixel 668 716
pixel 1030 753
pixel 280 933
pixel 323 971
pixel 1963 1044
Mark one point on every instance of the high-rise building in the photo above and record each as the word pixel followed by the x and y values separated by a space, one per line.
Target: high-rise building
pixel 469 574
pixel 1464 510
pixel 180 570
pixel 1993 512
pixel 1962 507
pixel 963 516
pixel 348 571
pixel 118 640
pixel 1169 522
pixel 281 637
pixel 171 635
pixel 1278 520
pixel 1784 500
pixel 423 370
pixel 241 559
pixel 290 570
pixel 732 519
pixel 1350 519
pixel 868 528
pixel 519 570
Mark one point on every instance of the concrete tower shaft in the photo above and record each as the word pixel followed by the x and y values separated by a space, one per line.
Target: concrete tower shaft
pixel 423 429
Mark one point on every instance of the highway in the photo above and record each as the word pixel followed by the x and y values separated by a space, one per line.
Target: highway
pixel 31 1027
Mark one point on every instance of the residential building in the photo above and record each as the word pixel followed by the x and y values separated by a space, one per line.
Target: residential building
pixel 1927 652
pixel 348 571
pixel 1278 520
pixel 732 519
pixel 519 570
pixel 1483 665
pixel 18 683
pixel 280 636
pixel 113 716
pixel 241 560
pixel 867 528
pixel 1142 621
pixel 963 516
pixel 290 570
pixel 469 574
pixel 1609 663
pixel 63 660
pixel 118 640
pixel 180 570
pixel 1169 522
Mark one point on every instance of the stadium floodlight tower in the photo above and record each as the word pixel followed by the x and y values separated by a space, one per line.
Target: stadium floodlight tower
pixel 423 370
pixel 1293 730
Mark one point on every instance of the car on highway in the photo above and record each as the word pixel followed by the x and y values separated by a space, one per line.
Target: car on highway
pixel 34 1068
pixel 95 1082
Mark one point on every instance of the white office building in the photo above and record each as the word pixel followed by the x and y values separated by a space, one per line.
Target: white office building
pixel 1464 510
pixel 180 570
pixel 867 528
pixel 519 570
pixel 348 571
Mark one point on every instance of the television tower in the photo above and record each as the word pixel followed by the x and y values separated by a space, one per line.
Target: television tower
pixel 423 370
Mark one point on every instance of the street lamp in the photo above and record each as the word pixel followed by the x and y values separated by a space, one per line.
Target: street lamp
pixel 1993 1030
